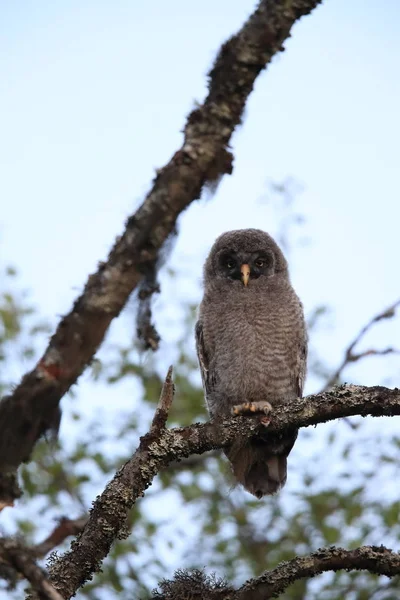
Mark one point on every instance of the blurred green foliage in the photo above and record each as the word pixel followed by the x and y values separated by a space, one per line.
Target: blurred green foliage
pixel 340 487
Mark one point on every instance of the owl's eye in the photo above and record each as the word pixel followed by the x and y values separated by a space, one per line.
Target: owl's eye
pixel 259 263
pixel 230 263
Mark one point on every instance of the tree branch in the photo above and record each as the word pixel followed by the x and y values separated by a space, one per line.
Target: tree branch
pixel 65 528
pixel 271 584
pixel 14 556
pixel 160 447
pixel 33 406
pixel 18 561
pixel 350 356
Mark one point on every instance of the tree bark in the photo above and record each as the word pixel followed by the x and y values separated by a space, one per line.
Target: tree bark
pixel 272 584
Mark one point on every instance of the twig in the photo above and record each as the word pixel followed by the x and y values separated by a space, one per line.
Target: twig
pixel 204 157
pixel 158 449
pixel 22 560
pixel 350 356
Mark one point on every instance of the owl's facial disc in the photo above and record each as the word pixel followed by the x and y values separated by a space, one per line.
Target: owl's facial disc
pixel 246 266
pixel 245 271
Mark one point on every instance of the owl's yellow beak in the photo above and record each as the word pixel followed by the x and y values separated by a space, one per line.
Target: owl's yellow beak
pixel 245 270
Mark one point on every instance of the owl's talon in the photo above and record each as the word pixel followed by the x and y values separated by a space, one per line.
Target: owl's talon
pixel 251 408
pixel 265 421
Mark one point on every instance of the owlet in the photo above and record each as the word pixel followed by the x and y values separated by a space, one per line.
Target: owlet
pixel 252 348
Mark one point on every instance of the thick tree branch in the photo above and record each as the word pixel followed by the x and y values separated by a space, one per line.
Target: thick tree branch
pixel 33 406
pixel 161 446
pixel 197 585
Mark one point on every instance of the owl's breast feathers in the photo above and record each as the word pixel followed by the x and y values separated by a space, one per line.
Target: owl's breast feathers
pixel 251 347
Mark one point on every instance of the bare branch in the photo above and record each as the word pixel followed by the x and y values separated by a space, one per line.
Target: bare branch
pixel 374 352
pixel 350 356
pixel 204 157
pixel 20 558
pixel 271 584
pixel 160 447
pixel 65 528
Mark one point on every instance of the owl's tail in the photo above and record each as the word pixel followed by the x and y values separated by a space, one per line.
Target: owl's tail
pixel 267 477
pixel 260 468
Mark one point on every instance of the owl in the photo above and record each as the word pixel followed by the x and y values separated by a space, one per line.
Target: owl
pixel 252 348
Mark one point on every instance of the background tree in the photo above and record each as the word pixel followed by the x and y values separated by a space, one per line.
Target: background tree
pixel 217 527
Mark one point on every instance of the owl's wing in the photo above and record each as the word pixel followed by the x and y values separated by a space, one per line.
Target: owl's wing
pixel 302 366
pixel 203 359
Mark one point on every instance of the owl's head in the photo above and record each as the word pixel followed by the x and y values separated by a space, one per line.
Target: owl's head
pixel 246 257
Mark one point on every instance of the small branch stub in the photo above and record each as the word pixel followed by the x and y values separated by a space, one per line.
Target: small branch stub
pixel 164 404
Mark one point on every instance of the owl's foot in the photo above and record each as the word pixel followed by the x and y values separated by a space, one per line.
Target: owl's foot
pixel 261 408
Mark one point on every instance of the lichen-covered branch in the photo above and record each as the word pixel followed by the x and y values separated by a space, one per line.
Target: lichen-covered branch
pixel 161 446
pixel 203 158
pixel 271 584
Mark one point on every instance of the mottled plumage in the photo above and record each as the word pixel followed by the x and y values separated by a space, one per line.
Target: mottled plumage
pixel 252 346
